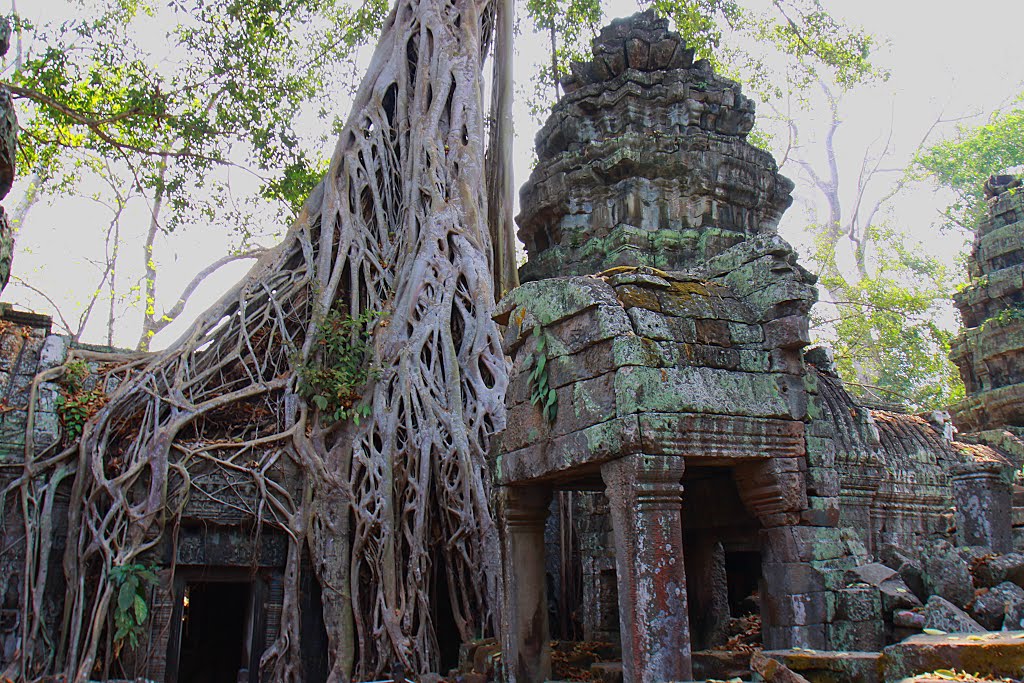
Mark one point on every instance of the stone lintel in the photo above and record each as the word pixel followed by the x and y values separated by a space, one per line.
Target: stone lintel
pixel 721 438
pixel 555 459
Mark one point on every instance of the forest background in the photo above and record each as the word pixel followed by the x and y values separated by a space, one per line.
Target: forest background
pixel 165 144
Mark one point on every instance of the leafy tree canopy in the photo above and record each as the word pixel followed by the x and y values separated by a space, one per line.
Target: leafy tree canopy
pixel 241 70
pixel 965 161
pixel 888 338
pixel 229 73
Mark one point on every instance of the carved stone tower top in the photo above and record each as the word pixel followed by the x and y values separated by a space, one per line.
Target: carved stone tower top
pixel 645 162
pixel 990 351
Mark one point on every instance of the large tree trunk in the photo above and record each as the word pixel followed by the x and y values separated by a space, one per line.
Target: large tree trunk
pixel 389 507
pixel 407 185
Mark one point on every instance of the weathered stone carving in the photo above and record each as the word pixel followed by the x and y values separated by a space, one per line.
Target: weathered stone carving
pixel 990 352
pixel 682 355
pixel 657 349
pixel 645 162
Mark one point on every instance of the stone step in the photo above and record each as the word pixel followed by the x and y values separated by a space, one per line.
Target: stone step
pixel 827 665
pixel 995 654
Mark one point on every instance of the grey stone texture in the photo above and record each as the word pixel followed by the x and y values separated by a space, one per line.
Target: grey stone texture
pixel 947 573
pixel 1000 607
pixel 995 569
pixel 943 615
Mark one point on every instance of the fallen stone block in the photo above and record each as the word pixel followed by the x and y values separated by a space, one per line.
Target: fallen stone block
pixel 943 615
pixel 994 654
pixel 999 607
pixel 831 666
pixel 910 570
pixel 872 574
pixel 906 618
pixel 995 570
pixel 773 671
pixel 947 574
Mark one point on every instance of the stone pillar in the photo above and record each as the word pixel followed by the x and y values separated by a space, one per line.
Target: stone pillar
pixel 645 496
pixel 709 594
pixel 984 501
pixel 524 619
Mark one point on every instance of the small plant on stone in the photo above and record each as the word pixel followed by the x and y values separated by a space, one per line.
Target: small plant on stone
pixel 333 379
pixel 130 607
pixel 75 404
pixel 541 393
pixel 1006 316
pixel 76 371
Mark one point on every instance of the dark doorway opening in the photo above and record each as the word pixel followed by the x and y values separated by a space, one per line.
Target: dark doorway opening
pixel 214 633
pixel 720 539
pixel 448 637
pixel 314 642
pixel 743 572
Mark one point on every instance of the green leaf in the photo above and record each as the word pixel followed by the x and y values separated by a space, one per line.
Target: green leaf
pixel 125 597
pixel 149 576
pixel 141 610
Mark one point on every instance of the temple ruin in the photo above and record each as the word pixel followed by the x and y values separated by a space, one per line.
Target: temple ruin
pixel 679 476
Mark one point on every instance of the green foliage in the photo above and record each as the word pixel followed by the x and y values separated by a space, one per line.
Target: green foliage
pixel 333 379
pixel 75 404
pixel 130 607
pixel 541 393
pixel 965 162
pixel 888 334
pixel 76 371
pixel 228 74
pixel 1006 316
pixel 741 42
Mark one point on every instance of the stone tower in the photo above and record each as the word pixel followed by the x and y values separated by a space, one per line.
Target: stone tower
pixel 990 351
pixel 644 162
pixel 657 357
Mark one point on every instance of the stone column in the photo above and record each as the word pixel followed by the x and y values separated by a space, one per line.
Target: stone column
pixel 984 503
pixel 645 496
pixel 524 619
pixel 709 596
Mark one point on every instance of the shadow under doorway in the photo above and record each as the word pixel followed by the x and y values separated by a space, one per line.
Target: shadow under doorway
pixel 215 632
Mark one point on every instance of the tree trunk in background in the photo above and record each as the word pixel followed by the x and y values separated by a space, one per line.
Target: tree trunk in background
pixel 500 183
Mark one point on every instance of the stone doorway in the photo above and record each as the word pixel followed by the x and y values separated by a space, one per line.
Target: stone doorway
pixel 721 551
pixel 215 630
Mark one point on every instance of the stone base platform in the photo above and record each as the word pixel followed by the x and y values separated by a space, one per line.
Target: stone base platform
pixel 828 666
pixel 995 654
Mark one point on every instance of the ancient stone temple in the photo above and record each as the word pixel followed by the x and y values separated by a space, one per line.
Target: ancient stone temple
pixel 680 483
pixel 990 351
pixel 659 371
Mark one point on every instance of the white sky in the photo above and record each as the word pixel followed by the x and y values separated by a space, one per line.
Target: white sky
pixel 946 59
